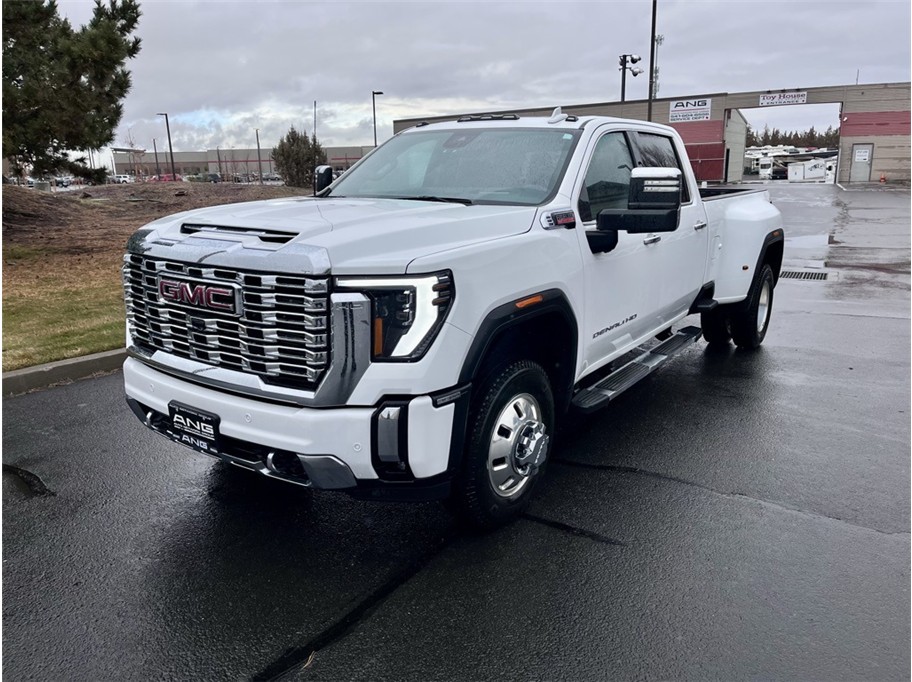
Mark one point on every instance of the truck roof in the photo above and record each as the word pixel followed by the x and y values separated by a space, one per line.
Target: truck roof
pixel 557 120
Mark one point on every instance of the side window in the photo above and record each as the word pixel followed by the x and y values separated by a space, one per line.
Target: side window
pixel 657 151
pixel 607 183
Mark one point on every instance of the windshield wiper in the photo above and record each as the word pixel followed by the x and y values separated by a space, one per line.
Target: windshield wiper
pixel 444 200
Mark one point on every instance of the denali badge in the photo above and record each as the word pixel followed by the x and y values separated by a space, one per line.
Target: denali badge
pixel 222 298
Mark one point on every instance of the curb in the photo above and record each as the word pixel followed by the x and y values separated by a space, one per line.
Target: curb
pixel 892 186
pixel 41 376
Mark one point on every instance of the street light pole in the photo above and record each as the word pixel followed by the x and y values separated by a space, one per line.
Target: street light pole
pixel 259 161
pixel 170 148
pixel 625 60
pixel 623 77
pixel 158 170
pixel 374 94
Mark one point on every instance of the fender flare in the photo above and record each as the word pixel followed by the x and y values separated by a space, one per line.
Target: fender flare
pixel 497 322
pixel 510 314
pixel 775 237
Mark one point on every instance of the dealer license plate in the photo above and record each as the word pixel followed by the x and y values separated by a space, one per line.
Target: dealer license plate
pixel 194 428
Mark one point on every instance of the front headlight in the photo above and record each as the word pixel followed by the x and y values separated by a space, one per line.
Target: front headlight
pixel 407 312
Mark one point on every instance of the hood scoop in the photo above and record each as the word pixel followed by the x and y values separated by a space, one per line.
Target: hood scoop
pixel 264 235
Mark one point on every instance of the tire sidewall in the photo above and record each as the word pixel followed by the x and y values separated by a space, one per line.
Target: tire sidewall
pixel 766 277
pixel 716 327
pixel 503 386
pixel 744 327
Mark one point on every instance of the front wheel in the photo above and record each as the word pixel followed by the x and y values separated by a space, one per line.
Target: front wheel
pixel 510 430
pixel 750 320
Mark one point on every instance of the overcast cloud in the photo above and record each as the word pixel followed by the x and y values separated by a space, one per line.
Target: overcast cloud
pixel 222 69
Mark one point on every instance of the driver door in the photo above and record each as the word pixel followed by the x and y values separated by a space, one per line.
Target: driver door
pixel 619 299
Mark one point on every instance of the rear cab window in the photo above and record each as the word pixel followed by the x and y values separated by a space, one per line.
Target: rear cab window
pixel 658 151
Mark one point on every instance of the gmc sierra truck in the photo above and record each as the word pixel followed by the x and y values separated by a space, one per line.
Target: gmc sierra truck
pixel 416 329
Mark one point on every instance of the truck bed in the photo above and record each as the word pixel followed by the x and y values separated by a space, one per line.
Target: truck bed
pixel 722 191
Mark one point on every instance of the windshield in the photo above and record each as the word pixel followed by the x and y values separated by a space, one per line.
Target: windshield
pixel 479 166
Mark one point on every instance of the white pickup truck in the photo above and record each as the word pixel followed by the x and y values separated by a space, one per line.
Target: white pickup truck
pixel 416 329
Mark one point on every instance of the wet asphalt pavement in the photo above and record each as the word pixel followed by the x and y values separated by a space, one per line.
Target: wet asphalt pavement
pixel 738 515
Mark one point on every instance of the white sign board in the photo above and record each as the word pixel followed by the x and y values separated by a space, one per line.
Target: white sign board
pixel 862 154
pixel 783 98
pixel 683 110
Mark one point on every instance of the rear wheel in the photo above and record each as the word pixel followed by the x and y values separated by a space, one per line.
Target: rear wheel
pixel 750 319
pixel 715 326
pixel 510 429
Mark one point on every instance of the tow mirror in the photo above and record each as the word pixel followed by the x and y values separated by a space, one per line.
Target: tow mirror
pixel 653 203
pixel 323 177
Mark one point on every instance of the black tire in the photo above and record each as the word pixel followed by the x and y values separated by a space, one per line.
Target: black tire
pixel 508 391
pixel 715 324
pixel 750 319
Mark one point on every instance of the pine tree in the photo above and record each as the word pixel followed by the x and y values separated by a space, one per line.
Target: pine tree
pixel 811 138
pixel 296 156
pixel 62 88
pixel 752 139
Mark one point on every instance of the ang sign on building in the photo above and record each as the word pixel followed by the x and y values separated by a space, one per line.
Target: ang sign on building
pixel 684 110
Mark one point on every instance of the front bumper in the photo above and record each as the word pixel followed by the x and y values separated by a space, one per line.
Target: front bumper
pixel 398 449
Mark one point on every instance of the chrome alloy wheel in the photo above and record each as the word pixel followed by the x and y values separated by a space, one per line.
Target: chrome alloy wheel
pixel 763 306
pixel 519 445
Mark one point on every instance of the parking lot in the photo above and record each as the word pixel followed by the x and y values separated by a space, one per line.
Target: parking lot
pixel 738 515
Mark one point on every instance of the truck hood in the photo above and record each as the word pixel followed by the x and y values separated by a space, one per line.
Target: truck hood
pixel 308 235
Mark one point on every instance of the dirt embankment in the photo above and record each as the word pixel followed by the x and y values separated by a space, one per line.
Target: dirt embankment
pixel 99 220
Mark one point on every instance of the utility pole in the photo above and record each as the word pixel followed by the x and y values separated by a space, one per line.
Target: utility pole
pixel 170 148
pixel 374 94
pixel 158 170
pixel 659 39
pixel 313 153
pixel 652 52
pixel 259 162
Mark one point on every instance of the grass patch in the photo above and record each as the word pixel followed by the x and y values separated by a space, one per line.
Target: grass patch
pixel 54 309
pixel 20 252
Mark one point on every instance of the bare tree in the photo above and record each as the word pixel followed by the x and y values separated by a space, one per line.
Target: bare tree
pixel 136 155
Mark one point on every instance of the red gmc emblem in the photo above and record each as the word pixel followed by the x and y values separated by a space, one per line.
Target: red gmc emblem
pixel 223 299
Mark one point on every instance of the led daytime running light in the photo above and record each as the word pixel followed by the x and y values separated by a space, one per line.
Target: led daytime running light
pixel 423 308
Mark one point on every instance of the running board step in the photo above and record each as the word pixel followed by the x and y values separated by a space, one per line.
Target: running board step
pixel 600 394
pixel 705 305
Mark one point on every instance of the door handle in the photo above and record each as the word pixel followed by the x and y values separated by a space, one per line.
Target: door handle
pixel 700 225
pixel 652 240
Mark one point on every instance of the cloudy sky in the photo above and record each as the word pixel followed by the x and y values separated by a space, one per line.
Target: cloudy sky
pixel 221 69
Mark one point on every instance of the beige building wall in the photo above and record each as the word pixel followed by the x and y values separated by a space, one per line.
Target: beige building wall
pixel 890 157
pixel 226 162
pixel 876 113
pixel 735 144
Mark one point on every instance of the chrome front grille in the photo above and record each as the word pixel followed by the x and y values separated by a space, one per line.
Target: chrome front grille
pixel 281 333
